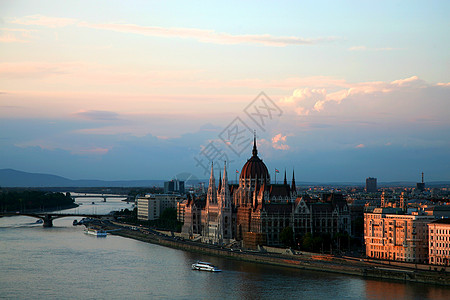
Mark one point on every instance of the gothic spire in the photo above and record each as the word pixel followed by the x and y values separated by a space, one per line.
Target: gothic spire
pixel 293 187
pixel 255 151
pixel 211 197
pixel 225 199
pixel 220 183
pixel 211 178
pixel 225 177
pixel 285 180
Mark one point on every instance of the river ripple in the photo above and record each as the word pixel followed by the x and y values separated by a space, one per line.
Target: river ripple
pixel 63 263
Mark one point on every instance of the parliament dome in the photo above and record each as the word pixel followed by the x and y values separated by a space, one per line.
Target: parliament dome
pixel 254 167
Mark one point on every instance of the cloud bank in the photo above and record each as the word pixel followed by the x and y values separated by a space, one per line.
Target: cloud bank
pixel 411 97
pixel 200 35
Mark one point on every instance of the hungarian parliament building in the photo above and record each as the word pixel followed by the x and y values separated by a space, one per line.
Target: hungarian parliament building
pixel 255 212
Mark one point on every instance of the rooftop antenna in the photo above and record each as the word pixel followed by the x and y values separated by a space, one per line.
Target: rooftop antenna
pixel 422 177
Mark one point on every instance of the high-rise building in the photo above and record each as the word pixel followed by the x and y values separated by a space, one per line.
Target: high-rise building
pixel 371 185
pixel 174 186
pixel 150 207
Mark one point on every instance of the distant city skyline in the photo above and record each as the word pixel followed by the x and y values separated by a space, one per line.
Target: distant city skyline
pixel 140 90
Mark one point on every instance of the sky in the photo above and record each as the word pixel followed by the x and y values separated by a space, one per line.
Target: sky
pixel 336 90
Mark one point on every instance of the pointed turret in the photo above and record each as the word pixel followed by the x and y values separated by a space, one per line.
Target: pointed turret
pixel 211 177
pixel 285 180
pixel 254 151
pixel 211 197
pixel 293 187
pixel 224 232
pixel 225 197
pixel 225 177
pixel 220 183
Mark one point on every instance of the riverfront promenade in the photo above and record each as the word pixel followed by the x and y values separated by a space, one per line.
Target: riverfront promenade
pixel 325 263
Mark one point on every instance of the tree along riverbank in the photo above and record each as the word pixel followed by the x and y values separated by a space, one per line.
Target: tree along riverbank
pixel 315 262
pixel 31 200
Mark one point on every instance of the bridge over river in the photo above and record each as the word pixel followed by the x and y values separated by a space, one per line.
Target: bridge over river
pixel 129 198
pixel 49 217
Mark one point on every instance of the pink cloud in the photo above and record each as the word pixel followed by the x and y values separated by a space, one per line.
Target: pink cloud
pixel 278 142
pixel 201 35
pixel 208 36
pixel 91 151
pixel 38 70
pixel 360 146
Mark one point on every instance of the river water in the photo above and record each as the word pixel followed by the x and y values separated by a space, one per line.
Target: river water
pixel 64 263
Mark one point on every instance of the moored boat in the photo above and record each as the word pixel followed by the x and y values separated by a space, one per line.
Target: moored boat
pixel 96 232
pixel 205 266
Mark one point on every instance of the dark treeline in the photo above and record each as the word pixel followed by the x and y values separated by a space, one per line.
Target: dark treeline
pixel 167 220
pixel 33 200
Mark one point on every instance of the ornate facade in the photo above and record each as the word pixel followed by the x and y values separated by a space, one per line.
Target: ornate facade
pixel 255 212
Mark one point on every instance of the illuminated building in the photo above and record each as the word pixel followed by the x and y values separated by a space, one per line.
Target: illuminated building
pixel 439 242
pixel 390 234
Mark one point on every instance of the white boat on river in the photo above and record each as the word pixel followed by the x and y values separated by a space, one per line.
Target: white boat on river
pixel 205 266
pixel 96 232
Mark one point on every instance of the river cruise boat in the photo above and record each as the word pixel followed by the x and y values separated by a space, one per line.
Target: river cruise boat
pixel 205 266
pixel 96 232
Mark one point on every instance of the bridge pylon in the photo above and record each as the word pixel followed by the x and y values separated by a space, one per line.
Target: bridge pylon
pixel 48 221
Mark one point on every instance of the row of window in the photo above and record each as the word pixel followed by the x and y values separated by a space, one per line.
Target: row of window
pixel 440 252
pixel 441 231
pixel 440 238
pixel 442 245
pixel 439 260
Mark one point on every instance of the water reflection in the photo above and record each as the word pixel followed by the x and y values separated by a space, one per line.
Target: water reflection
pixel 62 262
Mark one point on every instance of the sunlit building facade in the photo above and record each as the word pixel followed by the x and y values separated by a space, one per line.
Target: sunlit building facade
pixel 255 212
pixel 389 234
pixel 439 242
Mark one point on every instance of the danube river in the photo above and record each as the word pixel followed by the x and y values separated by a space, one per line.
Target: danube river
pixel 64 263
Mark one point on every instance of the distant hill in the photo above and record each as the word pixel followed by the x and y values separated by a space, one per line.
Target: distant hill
pixel 14 178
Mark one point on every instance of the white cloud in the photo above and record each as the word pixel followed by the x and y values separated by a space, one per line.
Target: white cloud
pixel 10 38
pixel 45 21
pixel 208 36
pixel 201 35
pixel 305 100
pixel 14 35
pixel 403 97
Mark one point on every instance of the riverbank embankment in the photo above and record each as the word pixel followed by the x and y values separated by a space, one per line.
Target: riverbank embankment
pixel 314 262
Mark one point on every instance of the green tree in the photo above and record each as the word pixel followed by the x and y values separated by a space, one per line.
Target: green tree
pixel 287 236
pixel 169 214
pixel 307 242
